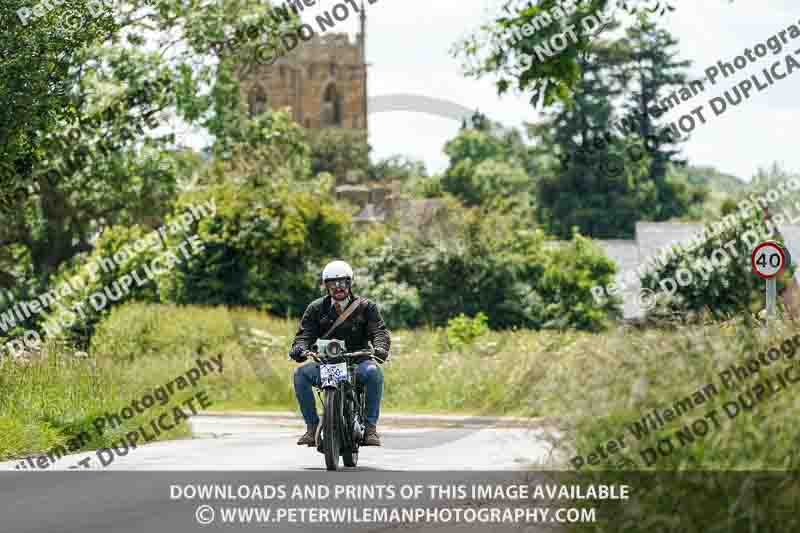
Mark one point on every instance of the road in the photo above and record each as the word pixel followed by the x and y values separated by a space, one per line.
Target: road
pixel 135 493
pixel 267 442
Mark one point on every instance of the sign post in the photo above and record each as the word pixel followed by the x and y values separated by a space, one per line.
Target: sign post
pixel 769 260
pixel 771 297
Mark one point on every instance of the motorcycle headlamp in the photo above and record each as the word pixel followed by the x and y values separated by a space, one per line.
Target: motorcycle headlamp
pixel 330 348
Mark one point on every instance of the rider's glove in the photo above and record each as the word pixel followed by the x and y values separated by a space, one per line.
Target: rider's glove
pixel 298 354
pixel 381 355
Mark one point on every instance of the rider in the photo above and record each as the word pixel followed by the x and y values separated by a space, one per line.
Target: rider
pixel 364 324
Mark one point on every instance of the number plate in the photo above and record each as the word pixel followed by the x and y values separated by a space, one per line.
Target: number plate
pixel 333 373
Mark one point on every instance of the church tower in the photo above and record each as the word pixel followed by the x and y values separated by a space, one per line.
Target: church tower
pixel 363 43
pixel 323 81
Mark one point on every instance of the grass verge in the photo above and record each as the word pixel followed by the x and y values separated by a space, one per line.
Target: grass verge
pixel 596 385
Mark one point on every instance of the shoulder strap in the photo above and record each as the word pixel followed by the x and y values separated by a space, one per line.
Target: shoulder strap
pixel 344 316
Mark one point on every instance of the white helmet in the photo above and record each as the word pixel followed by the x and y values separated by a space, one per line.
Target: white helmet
pixel 335 270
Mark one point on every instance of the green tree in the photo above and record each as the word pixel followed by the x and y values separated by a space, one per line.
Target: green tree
pixel 270 148
pixel 93 157
pixel 340 152
pixel 398 167
pixel 264 248
pixel 114 240
pixel 506 51
pixel 770 178
pixel 105 167
pixel 39 60
pixel 650 71
pixel 597 185
pixel 494 263
pixel 233 37
pixel 486 161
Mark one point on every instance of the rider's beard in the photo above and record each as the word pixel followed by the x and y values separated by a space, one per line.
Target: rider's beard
pixel 336 295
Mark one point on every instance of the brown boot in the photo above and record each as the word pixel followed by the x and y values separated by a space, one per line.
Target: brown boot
pixel 309 438
pixel 371 437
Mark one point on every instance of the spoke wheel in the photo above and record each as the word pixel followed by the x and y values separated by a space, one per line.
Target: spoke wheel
pixel 331 441
pixel 350 450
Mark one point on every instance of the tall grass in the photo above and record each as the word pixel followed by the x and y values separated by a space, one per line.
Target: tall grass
pixel 592 386
pixel 47 400
pixel 607 385
pixel 739 477
pixel 422 376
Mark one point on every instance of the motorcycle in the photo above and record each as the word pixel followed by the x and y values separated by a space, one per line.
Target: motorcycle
pixel 343 420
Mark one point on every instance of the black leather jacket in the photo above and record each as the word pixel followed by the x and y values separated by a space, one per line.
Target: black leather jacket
pixel 362 326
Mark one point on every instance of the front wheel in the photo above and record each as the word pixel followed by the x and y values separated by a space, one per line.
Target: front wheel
pixel 330 428
pixel 350 451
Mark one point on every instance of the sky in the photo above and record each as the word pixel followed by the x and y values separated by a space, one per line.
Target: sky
pixel 408 48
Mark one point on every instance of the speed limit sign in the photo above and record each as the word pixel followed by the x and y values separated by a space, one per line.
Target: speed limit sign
pixel 768 259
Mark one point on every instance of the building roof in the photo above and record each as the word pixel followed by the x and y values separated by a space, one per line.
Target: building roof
pixel 419 211
pixel 415 213
pixel 625 253
pixel 652 236
pixel 370 213
pixel 346 188
pixel 791 235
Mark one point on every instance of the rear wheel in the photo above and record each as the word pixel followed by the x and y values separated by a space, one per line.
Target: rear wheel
pixel 350 450
pixel 330 429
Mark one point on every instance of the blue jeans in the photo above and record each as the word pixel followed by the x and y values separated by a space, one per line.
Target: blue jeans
pixel 367 373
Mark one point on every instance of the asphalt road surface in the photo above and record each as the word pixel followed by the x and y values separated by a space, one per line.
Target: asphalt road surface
pixel 135 493
pixel 267 442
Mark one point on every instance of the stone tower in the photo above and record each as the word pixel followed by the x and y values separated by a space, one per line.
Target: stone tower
pixel 323 81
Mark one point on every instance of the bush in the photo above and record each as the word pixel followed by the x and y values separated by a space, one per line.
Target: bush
pixel 138 330
pixel 723 290
pixel 653 371
pixel 263 248
pixel 399 303
pixel 97 294
pixel 488 264
pixel 159 340
pixel 569 274
pixel 9 298
pixel 463 330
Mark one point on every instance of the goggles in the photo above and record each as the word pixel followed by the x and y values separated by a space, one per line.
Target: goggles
pixel 344 283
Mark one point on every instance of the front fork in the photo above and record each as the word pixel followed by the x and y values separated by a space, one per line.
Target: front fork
pixel 318 434
pixel 358 428
pixel 357 431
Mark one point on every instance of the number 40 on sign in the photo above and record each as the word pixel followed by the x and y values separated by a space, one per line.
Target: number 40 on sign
pixel 769 260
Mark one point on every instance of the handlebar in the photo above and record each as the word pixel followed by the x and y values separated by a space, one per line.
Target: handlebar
pixel 315 356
